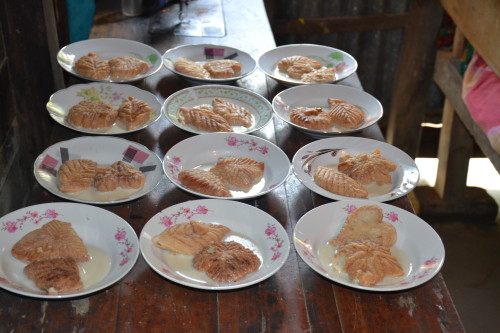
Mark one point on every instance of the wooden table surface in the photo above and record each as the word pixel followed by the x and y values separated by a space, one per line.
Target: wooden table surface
pixel 295 299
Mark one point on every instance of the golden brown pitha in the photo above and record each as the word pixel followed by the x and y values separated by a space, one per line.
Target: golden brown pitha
pixel 338 183
pixel 345 114
pixel 311 117
pixel 240 172
pixel 189 237
pixel 191 68
pixel 366 223
pixel 235 115
pixel 226 261
pixel 92 114
pixel 134 112
pixel 55 239
pixel 223 68
pixel 122 68
pixel 205 182
pixel 76 175
pixel 92 66
pixel 203 118
pixel 56 276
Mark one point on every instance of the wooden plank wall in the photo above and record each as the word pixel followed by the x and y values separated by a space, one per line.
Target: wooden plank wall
pixel 25 86
pixel 377 51
pixel 374 32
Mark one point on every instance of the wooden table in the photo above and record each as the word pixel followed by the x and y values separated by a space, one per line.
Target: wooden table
pixel 295 299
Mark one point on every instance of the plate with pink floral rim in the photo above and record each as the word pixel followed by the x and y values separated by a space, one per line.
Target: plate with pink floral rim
pixel 250 226
pixel 113 246
pixel 104 150
pixel 203 151
pixel 418 248
pixel 113 94
pixel 257 105
pixel 327 152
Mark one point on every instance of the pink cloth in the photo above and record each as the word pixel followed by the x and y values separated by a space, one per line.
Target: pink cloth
pixel 481 93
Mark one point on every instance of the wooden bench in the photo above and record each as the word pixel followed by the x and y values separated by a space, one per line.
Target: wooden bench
pixel 476 22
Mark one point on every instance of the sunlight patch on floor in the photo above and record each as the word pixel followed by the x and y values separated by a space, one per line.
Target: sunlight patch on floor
pixel 481 174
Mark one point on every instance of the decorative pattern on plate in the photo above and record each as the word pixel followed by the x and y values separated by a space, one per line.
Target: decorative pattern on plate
pixel 203 152
pixel 275 238
pixel 249 226
pixel 30 216
pixel 202 53
pixel 113 94
pixel 104 151
pixel 115 240
pixel 422 272
pixel 251 144
pixel 328 151
pixel 103 93
pixel 391 215
pixel 260 107
pixel 121 237
pixel 312 155
pixel 185 212
pixel 420 248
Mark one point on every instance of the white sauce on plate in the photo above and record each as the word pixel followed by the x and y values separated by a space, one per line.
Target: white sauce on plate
pixel 96 269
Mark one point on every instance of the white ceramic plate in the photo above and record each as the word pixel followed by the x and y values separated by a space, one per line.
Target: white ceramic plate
pixel 421 247
pixel 109 48
pixel 203 151
pixel 203 53
pixel 259 106
pixel 317 96
pixel 106 236
pixel 249 226
pixel 111 93
pixel 327 152
pixel 103 151
pixel 342 61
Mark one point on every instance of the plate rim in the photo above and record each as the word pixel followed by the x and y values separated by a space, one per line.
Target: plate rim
pixel 282 259
pixel 292 83
pixel 322 133
pixel 154 69
pixel 99 83
pixel 131 263
pixel 211 80
pixel 82 201
pixel 221 87
pixel 381 289
pixel 381 198
pixel 180 186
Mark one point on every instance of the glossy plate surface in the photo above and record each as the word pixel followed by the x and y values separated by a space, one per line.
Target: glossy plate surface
pixel 100 230
pixel 109 48
pixel 260 108
pixel 111 93
pixel 343 62
pixel 203 151
pixel 202 53
pixel 421 248
pixel 317 96
pixel 249 226
pixel 104 151
pixel 327 152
